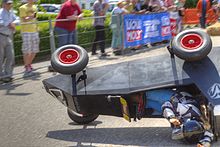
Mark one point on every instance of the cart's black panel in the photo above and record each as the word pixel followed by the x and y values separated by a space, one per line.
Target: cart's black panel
pixel 127 77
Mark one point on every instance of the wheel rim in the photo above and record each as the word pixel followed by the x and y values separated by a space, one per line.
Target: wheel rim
pixel 191 41
pixel 69 56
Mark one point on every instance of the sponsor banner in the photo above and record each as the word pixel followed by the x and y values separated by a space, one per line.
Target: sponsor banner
pixel 148 28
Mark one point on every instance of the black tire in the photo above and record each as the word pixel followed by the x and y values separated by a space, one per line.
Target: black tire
pixel 70 68
pixel 81 120
pixel 202 42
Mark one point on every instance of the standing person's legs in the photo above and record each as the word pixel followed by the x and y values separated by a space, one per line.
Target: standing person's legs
pixel 9 58
pixel 73 37
pixel 30 47
pixel 203 20
pixel 101 39
pixel 35 47
pixel 114 39
pixel 2 55
pixel 63 36
pixel 95 41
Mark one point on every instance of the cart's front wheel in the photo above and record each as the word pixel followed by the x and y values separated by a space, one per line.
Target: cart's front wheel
pixel 81 120
pixel 69 59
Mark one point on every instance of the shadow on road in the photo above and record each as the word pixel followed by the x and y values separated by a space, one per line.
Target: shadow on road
pixel 141 136
pixel 10 89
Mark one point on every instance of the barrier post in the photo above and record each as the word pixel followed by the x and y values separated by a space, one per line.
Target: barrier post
pixel 52 40
pixel 123 35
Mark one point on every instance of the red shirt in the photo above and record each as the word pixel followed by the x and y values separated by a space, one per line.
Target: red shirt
pixel 67 10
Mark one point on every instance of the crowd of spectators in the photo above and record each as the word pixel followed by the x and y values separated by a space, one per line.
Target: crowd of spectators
pixel 138 7
pixel 66 30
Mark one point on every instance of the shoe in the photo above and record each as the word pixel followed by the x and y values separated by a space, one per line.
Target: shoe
pixel 94 53
pixel 104 55
pixel 7 79
pixel 28 74
pixel 28 68
pixel 117 52
pixel 177 134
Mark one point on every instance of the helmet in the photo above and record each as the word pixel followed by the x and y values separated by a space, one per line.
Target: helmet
pixel 192 131
pixel 182 97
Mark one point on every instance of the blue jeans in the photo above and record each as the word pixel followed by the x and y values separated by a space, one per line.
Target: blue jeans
pixel 65 37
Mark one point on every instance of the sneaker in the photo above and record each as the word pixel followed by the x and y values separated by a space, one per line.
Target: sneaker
pixel 28 74
pixel 177 134
pixel 117 52
pixel 104 55
pixel 94 53
pixel 7 79
pixel 30 67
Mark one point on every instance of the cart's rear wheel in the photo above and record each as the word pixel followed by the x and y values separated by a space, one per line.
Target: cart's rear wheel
pixel 81 120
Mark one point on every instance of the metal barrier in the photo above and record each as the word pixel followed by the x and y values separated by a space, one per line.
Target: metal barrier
pixel 48 41
pixel 48 37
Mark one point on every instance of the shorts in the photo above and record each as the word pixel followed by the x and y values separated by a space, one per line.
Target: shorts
pixel 30 43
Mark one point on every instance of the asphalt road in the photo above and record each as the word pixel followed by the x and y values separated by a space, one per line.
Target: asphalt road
pixel 31 117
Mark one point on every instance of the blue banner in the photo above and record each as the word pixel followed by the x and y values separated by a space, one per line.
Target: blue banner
pixel 147 28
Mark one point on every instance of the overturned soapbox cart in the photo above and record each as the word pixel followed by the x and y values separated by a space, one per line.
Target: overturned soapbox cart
pixel 137 88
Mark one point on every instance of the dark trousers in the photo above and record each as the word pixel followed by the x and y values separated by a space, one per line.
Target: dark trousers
pixel 203 21
pixel 99 39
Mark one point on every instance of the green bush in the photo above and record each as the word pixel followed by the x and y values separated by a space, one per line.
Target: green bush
pixel 87 13
pixel 45 16
pixel 191 3
pixel 50 1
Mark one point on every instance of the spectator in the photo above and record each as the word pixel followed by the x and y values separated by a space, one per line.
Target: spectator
pixel 156 5
pixel 66 30
pixel 99 21
pixel 136 6
pixel 145 6
pixel 180 8
pixel 30 36
pixel 7 28
pixel 215 6
pixel 169 5
pixel 203 7
pixel 106 5
pixel 116 26
pixel 128 6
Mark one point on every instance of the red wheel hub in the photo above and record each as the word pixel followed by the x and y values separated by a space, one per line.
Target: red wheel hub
pixel 191 41
pixel 68 56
